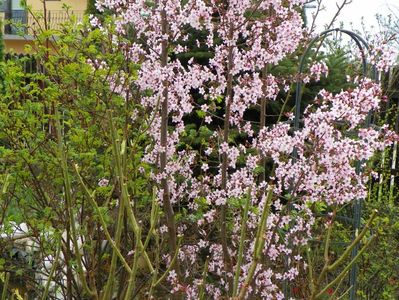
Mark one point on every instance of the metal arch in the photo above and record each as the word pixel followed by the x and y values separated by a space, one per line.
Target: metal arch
pixel 362 45
pixel 360 42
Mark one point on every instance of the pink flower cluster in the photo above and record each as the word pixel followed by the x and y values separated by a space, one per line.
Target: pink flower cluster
pixel 250 35
pixel 383 56
pixel 325 167
pixel 317 69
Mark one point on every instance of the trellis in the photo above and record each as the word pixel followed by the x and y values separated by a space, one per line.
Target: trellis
pixel 357 204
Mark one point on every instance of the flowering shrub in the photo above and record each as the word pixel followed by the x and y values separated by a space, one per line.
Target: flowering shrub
pixel 240 218
pixel 237 214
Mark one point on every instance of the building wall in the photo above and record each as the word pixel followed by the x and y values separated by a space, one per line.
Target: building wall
pixel 16 46
pixel 56 15
pixel 77 5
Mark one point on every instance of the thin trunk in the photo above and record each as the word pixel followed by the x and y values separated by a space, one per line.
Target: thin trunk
pixel 262 176
pixel 67 260
pixel 167 205
pixel 229 99
pixel 69 210
pixel 116 147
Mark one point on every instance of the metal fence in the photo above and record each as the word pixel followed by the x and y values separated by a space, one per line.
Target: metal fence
pixel 28 62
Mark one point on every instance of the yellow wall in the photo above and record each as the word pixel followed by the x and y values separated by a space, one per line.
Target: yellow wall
pixel 16 46
pixel 55 16
pixel 78 5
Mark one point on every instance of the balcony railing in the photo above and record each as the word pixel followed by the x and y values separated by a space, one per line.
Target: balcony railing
pixel 21 22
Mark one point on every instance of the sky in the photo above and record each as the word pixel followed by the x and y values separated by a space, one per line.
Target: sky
pixel 352 13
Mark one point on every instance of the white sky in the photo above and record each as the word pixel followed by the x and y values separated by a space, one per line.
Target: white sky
pixel 352 13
